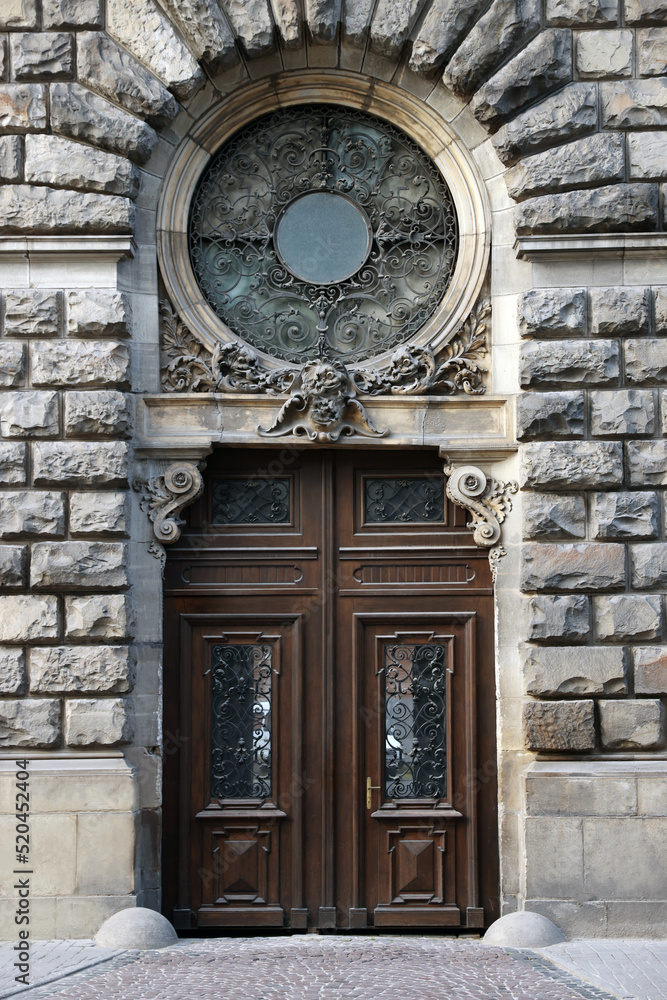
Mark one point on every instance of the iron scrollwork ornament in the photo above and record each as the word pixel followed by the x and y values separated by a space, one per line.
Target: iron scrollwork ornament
pixel 164 497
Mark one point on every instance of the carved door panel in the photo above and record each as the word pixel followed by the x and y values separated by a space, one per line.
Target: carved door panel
pixel 328 621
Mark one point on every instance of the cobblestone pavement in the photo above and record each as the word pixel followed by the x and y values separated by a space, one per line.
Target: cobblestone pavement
pixel 310 967
pixel 635 969
pixel 49 960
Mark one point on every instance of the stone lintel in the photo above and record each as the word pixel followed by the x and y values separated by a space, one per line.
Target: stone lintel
pixel 568 247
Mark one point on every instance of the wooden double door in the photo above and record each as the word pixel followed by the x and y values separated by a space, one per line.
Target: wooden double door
pixel 329 699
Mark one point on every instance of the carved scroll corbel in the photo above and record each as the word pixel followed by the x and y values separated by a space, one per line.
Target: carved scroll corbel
pixel 165 496
pixel 488 500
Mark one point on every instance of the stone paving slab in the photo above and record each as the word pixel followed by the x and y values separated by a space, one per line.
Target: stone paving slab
pixel 314 967
pixel 631 969
pixel 49 960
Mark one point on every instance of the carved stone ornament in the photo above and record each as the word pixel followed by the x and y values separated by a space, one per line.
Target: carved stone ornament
pixel 163 497
pixel 487 500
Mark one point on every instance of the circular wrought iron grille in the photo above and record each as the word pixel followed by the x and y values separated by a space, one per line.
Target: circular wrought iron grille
pixel 298 300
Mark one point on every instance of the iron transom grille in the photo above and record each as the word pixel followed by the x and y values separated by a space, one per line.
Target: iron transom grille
pixel 253 500
pixel 414 500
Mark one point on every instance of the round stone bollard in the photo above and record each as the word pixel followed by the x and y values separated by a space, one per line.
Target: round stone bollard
pixel 136 928
pixel 524 929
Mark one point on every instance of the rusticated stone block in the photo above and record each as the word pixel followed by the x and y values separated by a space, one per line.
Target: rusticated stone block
pixel 628 616
pixel 594 159
pixel 604 53
pixel 573 13
pixel 73 463
pixel 253 26
pixel 645 11
pixel 101 722
pixel 612 209
pixel 80 363
pixel 211 38
pixel 573 567
pixel 647 463
pixel 553 515
pixel 13 565
pixel 30 722
pixel 80 114
pixel 11 158
pixel 12 364
pixel 12 670
pixel 98 513
pixel 110 70
pixel 72 13
pixel 630 725
pixel 557 312
pixel 22 107
pixel 98 616
pixel 62 669
pixel 31 512
pixel 649 565
pixel 650 669
pixel 559 725
pixel 27 208
pixel 559 670
pixel 570 465
pixel 12 463
pixel 660 308
pixel 563 618
pixel 97 312
pixel 652 51
pixel 60 162
pixel 100 412
pixel 544 64
pixel 29 413
pixel 623 411
pixel 646 360
pixel 28 618
pixel 441 31
pixel 19 14
pixel 42 55
pixel 78 565
pixel 551 414
pixel 624 515
pixel 619 310
pixel 634 104
pixel 646 155
pixel 569 362
pixel 568 114
pixel 32 312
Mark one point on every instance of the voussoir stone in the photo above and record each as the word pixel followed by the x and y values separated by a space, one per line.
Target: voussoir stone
pixel 82 363
pixel 550 414
pixel 646 155
pixel 97 312
pixel 12 364
pixel 624 515
pixel 649 565
pixel 570 113
pixel 652 51
pixel 571 465
pixel 29 413
pixel 11 158
pixel 557 670
pixel 78 565
pixel 646 360
pixel 601 54
pixel 60 162
pixel 80 463
pixel 650 669
pixel 32 312
pixel 12 463
pixel 28 618
pixel 251 20
pixel 628 616
pixel 634 103
pixel 12 670
pixel 559 725
pixel 99 616
pixel 623 411
pixel 553 516
pixel 60 669
pixel 630 725
pixel 613 208
pixel 573 567
pixel 322 17
pixel 647 463
pixel 31 512
pixel 42 55
pixel 564 618
pixel 544 64
pixel 30 722
pixel 104 66
pixel 13 564
pixel 99 412
pixel 391 25
pixel 97 721
pixel 22 107
pixel 552 312
pixel 72 13
pixel 595 159
pixel 569 362
pixel 444 26
pixel 573 13
pixel 98 513
pixel 619 310
pixel 646 11
pixel 211 38
pixel 28 208
pixel 78 113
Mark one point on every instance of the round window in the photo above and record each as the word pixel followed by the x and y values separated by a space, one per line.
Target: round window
pixel 322 230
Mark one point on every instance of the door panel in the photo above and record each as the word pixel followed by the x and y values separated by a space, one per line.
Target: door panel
pixel 328 620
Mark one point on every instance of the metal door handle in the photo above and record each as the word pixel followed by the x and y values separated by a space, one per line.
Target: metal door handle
pixel 370 788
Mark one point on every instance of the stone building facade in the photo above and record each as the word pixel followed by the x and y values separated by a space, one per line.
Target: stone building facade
pixel 548 119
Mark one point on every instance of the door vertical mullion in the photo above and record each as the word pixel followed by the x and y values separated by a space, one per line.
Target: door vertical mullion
pixel 327 914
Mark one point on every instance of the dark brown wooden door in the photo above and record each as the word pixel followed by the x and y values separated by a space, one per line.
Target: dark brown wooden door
pixel 329 699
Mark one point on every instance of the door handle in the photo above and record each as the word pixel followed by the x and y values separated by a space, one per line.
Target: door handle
pixel 370 788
